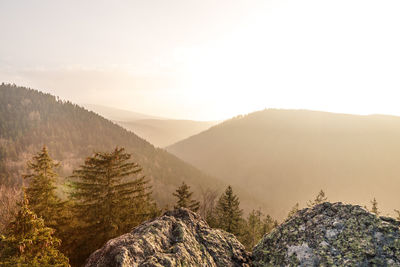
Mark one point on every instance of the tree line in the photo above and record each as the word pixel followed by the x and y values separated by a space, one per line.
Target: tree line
pixel 225 214
pixel 106 196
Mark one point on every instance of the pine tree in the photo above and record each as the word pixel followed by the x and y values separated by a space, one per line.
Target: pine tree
pixel 185 198
pixel 41 191
pixel 43 199
pixel 111 197
pixel 228 213
pixel 374 208
pixel 28 242
pixel 320 198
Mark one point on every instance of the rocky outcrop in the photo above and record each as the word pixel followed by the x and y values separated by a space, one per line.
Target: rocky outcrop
pixel 178 238
pixel 331 235
pixel 325 235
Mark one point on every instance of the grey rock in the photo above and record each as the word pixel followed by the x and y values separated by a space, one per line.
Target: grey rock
pixel 303 253
pixel 178 238
pixel 331 233
pixel 390 220
pixel 335 235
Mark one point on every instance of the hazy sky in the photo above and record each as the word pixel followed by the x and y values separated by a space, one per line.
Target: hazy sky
pixel 207 59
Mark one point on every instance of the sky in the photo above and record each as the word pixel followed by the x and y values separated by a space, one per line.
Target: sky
pixel 207 60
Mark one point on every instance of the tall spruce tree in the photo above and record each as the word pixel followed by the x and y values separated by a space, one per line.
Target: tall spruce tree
pixel 111 196
pixel 185 198
pixel 28 242
pixel 41 191
pixel 228 213
pixel 42 196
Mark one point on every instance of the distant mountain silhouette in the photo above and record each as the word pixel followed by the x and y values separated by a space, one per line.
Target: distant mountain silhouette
pixel 30 119
pixel 286 156
pixel 159 131
pixel 116 114
pixel 162 133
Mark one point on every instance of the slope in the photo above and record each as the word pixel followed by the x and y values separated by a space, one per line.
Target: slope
pixel 116 114
pixel 162 133
pixel 286 156
pixel 30 119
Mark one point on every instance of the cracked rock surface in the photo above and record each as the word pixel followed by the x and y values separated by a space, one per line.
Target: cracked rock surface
pixel 331 234
pixel 178 238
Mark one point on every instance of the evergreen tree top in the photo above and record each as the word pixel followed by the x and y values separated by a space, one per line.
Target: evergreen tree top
pixel 41 191
pixel 228 212
pixel 185 198
pixel 42 164
pixel 111 196
pixel 229 199
pixel 28 242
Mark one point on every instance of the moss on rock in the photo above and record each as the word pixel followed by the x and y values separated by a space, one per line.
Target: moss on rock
pixel 331 234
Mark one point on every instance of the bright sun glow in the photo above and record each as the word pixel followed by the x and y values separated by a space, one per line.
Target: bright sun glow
pixel 339 56
pixel 213 61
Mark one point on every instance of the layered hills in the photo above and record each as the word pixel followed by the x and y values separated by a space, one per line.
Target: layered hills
pixel 160 132
pixel 286 156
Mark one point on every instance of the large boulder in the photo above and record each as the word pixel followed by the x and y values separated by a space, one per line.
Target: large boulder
pixel 178 238
pixel 331 235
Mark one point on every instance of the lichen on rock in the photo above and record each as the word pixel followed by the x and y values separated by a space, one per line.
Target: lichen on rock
pixel 178 238
pixel 331 234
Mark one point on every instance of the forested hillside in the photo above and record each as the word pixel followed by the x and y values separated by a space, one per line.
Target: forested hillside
pixel 30 119
pixel 286 156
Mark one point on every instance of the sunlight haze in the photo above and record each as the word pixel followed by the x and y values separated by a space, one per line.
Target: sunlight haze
pixel 207 60
pixel 200 133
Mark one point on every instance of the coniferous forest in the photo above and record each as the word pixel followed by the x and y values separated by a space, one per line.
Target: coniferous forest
pixel 72 180
pixel 106 196
pixel 67 188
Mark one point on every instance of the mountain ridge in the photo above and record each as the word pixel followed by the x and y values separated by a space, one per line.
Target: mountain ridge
pixel 162 133
pixel 351 157
pixel 117 114
pixel 159 131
